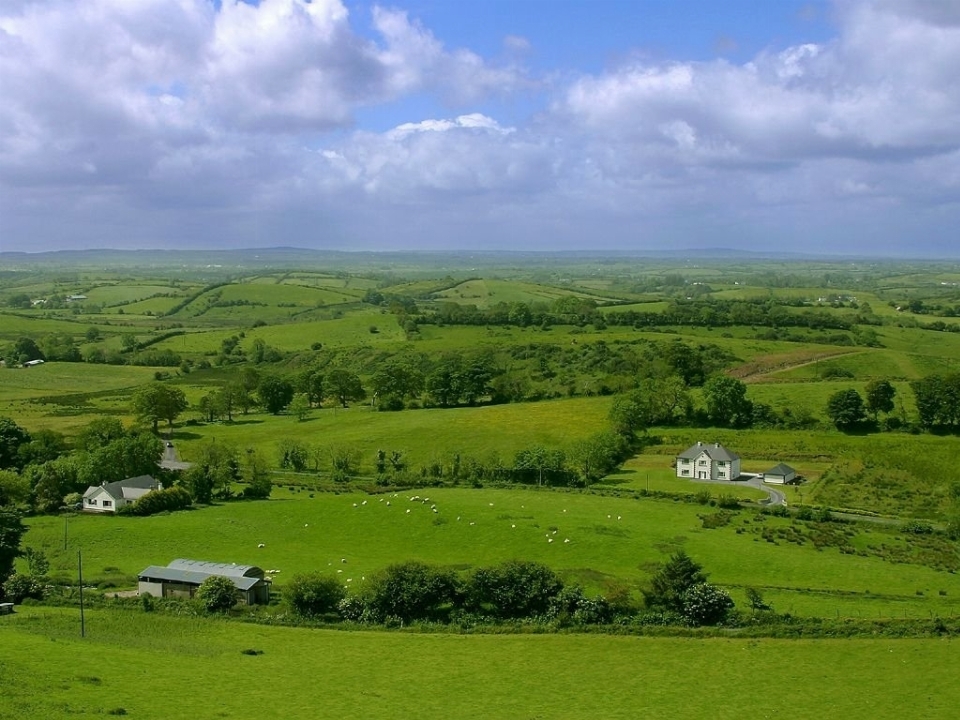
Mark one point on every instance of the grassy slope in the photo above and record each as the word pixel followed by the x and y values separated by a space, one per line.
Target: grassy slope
pixel 145 663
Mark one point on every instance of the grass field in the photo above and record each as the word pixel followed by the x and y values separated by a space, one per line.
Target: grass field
pixel 135 661
pixel 611 540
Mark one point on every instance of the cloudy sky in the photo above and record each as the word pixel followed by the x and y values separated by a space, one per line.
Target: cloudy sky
pixel 828 127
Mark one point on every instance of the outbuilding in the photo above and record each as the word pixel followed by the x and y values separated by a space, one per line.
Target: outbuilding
pixel 780 475
pixel 181 578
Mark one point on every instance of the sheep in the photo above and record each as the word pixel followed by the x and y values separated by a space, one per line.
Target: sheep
pixel 435 510
pixel 566 540
pixel 306 524
pixel 513 526
pixel 354 504
pixel 364 502
pixel 343 560
pixel 549 540
pixel 408 511
pixel 261 545
pixel 388 503
pixel 619 517
pixel 472 524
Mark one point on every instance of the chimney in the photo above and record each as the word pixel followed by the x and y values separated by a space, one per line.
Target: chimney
pixel 699 444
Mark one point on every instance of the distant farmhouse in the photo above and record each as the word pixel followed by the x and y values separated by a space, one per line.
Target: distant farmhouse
pixel 181 578
pixel 110 497
pixel 708 462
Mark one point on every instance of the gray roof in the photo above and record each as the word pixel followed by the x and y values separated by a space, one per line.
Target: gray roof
pixel 194 572
pixel 714 452
pixel 141 482
pixel 781 469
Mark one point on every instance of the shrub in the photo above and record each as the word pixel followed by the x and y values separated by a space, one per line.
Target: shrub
pixel 314 594
pixel 411 591
pixel 217 594
pixel 514 589
pixel 157 501
pixel 706 604
pixel 917 527
pixel 671 582
pixel 19 587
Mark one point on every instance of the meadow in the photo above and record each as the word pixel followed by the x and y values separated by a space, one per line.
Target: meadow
pixel 132 661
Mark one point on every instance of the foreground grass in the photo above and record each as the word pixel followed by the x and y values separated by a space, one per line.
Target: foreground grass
pixel 136 661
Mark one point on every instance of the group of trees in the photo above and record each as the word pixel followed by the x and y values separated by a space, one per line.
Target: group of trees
pixel 514 590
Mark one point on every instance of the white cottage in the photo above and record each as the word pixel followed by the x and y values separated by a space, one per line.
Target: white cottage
pixel 110 497
pixel 708 462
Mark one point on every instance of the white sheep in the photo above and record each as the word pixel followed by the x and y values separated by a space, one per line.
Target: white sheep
pixel 261 545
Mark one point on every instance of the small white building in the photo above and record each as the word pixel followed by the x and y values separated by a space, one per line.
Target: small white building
pixel 708 462
pixel 110 497
pixel 780 475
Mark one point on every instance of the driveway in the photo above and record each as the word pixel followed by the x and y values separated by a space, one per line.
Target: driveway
pixel 774 496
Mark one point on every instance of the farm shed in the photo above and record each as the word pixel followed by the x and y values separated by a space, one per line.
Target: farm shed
pixel 110 497
pixel 780 475
pixel 708 462
pixel 181 578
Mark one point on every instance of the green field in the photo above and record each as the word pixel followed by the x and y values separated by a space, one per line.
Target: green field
pixel 598 541
pixel 133 661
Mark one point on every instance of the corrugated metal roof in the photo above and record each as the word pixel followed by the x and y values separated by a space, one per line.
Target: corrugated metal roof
pixel 193 577
pixel 212 568
pixel 714 452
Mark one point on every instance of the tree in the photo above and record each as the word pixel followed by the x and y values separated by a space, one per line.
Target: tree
pixel 313 594
pixel 127 456
pixel 514 589
pixel 217 594
pixel 599 454
pixel 99 432
pixel 12 436
pixel 673 580
pixel 726 401
pixel 879 397
pixel 256 473
pixel 52 481
pixel 938 400
pixel 20 301
pixel 845 409
pixel 344 386
pixel 14 488
pixel 214 472
pixel 293 454
pixel 540 462
pixel 158 401
pixel 300 406
pixel 310 383
pixel 26 349
pixel 11 530
pixel 275 393
pixel 44 445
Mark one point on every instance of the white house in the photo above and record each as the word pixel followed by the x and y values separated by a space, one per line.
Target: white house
pixel 110 497
pixel 780 475
pixel 708 462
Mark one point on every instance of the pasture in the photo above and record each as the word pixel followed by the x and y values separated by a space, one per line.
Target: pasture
pixel 600 542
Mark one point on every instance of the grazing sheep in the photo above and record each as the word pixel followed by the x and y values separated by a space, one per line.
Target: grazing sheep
pixel 619 518
pixel 435 510
pixel 472 524
pixel 550 540
pixel 513 526
pixel 364 502
pixel 408 511
pixel 343 560
pixel 388 503
pixel 354 504
pixel 306 524
pixel 261 545
pixel 566 540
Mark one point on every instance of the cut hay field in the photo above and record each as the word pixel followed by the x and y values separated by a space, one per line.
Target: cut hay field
pixel 132 661
pixel 612 541
pixel 59 378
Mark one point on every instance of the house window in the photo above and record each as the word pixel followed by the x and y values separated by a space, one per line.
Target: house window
pixel 721 463
pixel 721 474
pixel 91 501
pixel 107 503
pixel 684 472
pixel 703 462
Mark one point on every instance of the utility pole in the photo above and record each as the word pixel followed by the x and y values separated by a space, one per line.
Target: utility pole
pixel 83 628
pixel 65 521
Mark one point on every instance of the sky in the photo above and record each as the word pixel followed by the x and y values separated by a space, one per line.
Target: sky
pixel 554 125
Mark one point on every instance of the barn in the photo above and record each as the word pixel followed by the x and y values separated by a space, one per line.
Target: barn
pixel 181 578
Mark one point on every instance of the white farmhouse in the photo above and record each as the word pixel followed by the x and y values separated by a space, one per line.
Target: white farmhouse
pixel 708 462
pixel 110 497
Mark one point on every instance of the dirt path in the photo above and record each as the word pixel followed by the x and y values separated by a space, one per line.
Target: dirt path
pixel 761 373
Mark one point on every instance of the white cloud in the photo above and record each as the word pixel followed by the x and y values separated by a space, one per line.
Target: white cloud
pixel 163 118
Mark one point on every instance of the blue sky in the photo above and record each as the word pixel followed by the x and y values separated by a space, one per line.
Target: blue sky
pixel 826 127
